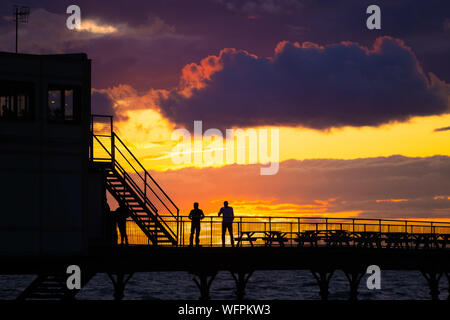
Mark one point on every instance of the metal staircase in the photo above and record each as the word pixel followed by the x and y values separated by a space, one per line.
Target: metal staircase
pixel 131 185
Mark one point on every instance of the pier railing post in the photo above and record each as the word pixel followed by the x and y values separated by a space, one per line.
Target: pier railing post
pixel 113 156
pixel 290 241
pixel 181 239
pixel 211 227
pixel 178 227
pixel 240 227
pixel 91 142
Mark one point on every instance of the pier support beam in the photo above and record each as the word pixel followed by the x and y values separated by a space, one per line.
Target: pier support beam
pixel 119 283
pixel 203 280
pixel 323 278
pixel 241 278
pixel 354 277
pixel 433 278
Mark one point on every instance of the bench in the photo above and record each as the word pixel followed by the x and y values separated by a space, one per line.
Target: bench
pixel 308 236
pixel 269 237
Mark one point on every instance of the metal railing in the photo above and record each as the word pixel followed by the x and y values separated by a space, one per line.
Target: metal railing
pixel 306 231
pixel 107 147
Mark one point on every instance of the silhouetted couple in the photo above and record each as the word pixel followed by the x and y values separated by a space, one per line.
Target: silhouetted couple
pixel 196 215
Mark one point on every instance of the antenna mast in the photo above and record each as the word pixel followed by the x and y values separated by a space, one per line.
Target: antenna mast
pixel 21 14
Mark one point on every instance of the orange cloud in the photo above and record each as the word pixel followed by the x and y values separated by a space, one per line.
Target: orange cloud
pixel 391 200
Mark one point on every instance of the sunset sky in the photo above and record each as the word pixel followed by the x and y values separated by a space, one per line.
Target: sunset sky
pixel 363 115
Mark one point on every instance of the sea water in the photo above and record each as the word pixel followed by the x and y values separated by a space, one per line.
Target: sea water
pixel 263 285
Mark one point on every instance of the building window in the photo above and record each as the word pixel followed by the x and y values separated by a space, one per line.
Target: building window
pixel 62 104
pixel 16 101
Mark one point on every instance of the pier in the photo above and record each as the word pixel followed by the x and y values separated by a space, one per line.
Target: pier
pixel 159 240
pixel 203 263
pixel 61 162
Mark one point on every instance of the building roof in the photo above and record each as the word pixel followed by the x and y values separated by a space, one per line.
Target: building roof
pixel 64 56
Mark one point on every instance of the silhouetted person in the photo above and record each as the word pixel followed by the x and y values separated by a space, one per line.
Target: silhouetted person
pixel 121 216
pixel 227 222
pixel 110 224
pixel 196 215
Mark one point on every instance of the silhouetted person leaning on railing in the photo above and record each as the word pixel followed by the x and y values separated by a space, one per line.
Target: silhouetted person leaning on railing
pixel 121 216
pixel 227 222
pixel 196 215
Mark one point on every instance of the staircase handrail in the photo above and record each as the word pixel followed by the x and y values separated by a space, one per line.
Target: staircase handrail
pixel 137 190
pixel 145 174
pixel 135 187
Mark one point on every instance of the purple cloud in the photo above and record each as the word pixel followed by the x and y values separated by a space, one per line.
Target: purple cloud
pixel 101 103
pixel 308 85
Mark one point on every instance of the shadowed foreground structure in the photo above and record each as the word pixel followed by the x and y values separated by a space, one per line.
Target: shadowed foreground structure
pixel 120 263
pixel 71 159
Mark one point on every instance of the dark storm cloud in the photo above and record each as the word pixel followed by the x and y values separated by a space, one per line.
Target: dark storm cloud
pixel 310 86
pixel 218 24
pixel 101 103
pixel 144 52
pixel 256 7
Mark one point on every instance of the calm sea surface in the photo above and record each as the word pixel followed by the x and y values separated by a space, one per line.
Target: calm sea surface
pixel 263 285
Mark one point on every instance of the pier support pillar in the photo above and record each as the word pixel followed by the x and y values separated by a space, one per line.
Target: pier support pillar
pixel 119 282
pixel 354 278
pixel 323 278
pixel 203 280
pixel 241 278
pixel 433 278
